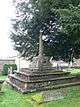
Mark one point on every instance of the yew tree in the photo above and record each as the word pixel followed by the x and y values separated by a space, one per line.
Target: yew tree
pixel 50 17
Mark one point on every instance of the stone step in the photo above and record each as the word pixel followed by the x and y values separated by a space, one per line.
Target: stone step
pixel 44 88
pixel 41 80
pixel 36 70
pixel 46 75
pixel 42 83
pixel 59 86
pixel 15 86
pixel 63 85
pixel 42 73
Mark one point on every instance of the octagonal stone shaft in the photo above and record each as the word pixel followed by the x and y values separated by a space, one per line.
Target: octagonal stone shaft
pixel 40 60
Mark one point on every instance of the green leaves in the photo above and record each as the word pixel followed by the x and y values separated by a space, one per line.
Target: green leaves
pixel 60 22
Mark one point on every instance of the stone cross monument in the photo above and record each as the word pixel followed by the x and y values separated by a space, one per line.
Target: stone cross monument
pixel 41 62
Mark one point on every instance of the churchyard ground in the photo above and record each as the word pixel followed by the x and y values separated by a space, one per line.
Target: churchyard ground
pixel 12 98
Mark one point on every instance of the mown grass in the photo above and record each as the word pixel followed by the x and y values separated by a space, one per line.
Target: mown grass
pixel 75 71
pixel 71 100
pixel 12 98
pixel 2 77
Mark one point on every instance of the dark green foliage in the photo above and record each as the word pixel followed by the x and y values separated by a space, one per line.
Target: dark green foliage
pixel 27 29
pixel 37 15
pixel 7 66
pixel 70 20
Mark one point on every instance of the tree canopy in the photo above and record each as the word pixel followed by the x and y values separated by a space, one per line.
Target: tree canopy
pixel 70 20
pixel 51 16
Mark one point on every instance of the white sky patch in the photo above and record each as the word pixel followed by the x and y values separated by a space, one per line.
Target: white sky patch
pixel 6 13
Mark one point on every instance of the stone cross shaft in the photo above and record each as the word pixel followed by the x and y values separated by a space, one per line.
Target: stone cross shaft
pixel 40 60
pixel 40 45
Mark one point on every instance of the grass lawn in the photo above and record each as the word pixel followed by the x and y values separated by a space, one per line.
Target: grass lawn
pixel 74 71
pixel 2 77
pixel 12 98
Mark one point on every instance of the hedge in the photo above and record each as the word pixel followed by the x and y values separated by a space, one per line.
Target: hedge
pixel 7 66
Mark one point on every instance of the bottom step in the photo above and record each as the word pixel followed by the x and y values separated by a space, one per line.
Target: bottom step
pixel 44 88
pixel 15 86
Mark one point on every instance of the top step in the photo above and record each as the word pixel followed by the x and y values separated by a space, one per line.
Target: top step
pixel 42 73
pixel 37 70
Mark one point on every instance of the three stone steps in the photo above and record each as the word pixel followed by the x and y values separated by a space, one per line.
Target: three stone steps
pixel 27 82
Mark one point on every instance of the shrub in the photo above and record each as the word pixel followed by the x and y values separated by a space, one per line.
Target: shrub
pixel 6 66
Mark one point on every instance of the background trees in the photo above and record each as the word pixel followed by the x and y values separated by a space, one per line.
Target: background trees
pixel 55 18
